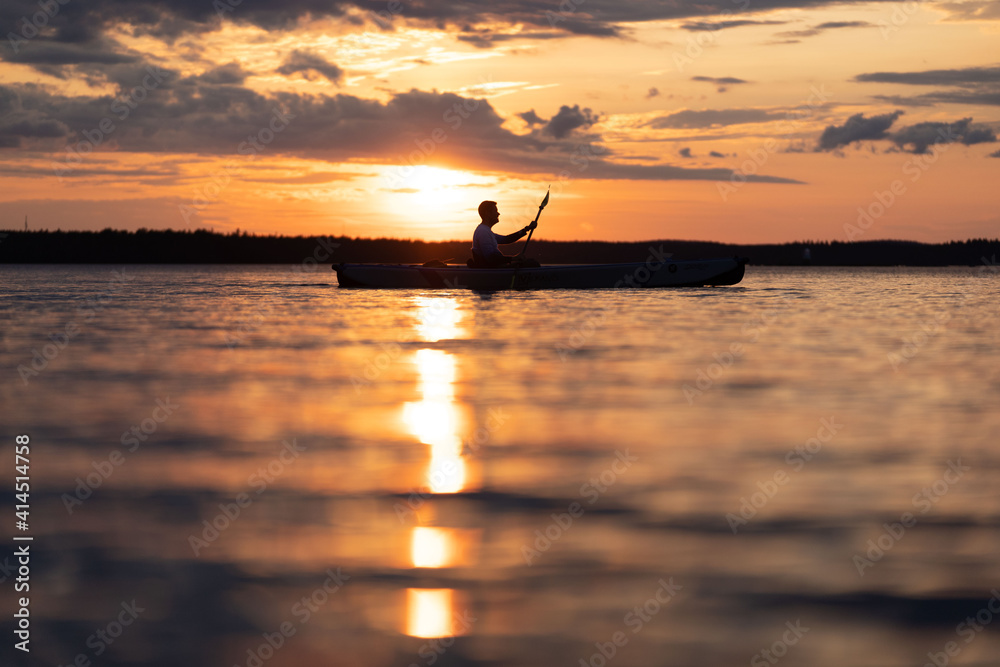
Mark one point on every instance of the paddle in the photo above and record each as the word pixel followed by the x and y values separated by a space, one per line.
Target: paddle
pixel 540 207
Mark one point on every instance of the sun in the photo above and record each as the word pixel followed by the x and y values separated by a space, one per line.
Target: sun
pixel 432 197
pixel 434 186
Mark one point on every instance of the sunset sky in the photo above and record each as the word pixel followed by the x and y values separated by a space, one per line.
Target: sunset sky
pixel 736 121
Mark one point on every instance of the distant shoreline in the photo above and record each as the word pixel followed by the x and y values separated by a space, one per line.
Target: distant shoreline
pixel 206 247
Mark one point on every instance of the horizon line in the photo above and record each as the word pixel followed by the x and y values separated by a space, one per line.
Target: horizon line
pixel 417 240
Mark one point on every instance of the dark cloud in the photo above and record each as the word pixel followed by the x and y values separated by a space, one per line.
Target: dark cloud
pixel 102 52
pixel 971 85
pixel 310 65
pixel 532 118
pixel 918 138
pixel 903 101
pixel 416 127
pixel 723 82
pixel 936 77
pixel 970 10
pixel 486 39
pixel 685 152
pixel 569 119
pixel 857 128
pixel 638 172
pixel 995 154
pixel 173 19
pixel 830 25
pixel 653 92
pixel 705 118
pixel 18 123
pixel 224 75
pixel 716 154
pixel 705 26
pixel 914 138
pixel 795 36
pixel 9 101
pixel 972 97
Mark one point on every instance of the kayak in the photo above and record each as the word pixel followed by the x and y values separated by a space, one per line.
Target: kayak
pixel 680 273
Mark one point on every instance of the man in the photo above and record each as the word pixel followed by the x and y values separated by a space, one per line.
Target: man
pixel 484 241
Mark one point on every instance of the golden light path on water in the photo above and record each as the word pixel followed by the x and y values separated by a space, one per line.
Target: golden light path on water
pixel 435 421
pixel 429 612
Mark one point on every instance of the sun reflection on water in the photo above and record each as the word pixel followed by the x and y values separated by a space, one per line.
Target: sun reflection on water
pixel 438 318
pixel 432 547
pixel 436 421
pixel 429 612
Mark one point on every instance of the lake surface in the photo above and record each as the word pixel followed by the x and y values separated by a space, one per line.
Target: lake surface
pixel 249 466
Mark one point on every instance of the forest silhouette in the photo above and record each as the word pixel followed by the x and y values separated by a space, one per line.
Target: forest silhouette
pixel 208 247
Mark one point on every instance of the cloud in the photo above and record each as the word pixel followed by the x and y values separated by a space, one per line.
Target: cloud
pixel 914 138
pixel 981 97
pixel 722 82
pixel 532 118
pixel 187 116
pixel 525 19
pixel 18 123
pixel 653 92
pixel 569 119
pixel 994 154
pixel 487 39
pixel 917 138
pixel 705 26
pixel 716 154
pixel 685 152
pixel 970 10
pixel 936 77
pixel 224 75
pixel 9 101
pixel 830 25
pixel 970 85
pixel 857 128
pixel 821 28
pixel 309 65
pixel 705 118
pixel 101 52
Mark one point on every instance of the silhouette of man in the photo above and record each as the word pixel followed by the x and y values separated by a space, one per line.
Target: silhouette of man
pixel 484 241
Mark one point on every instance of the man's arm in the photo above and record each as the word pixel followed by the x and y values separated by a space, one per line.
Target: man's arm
pixel 511 238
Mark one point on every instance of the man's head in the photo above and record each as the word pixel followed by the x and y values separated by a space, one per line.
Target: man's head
pixel 489 213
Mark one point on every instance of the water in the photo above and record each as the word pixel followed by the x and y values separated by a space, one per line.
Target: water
pixel 803 464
